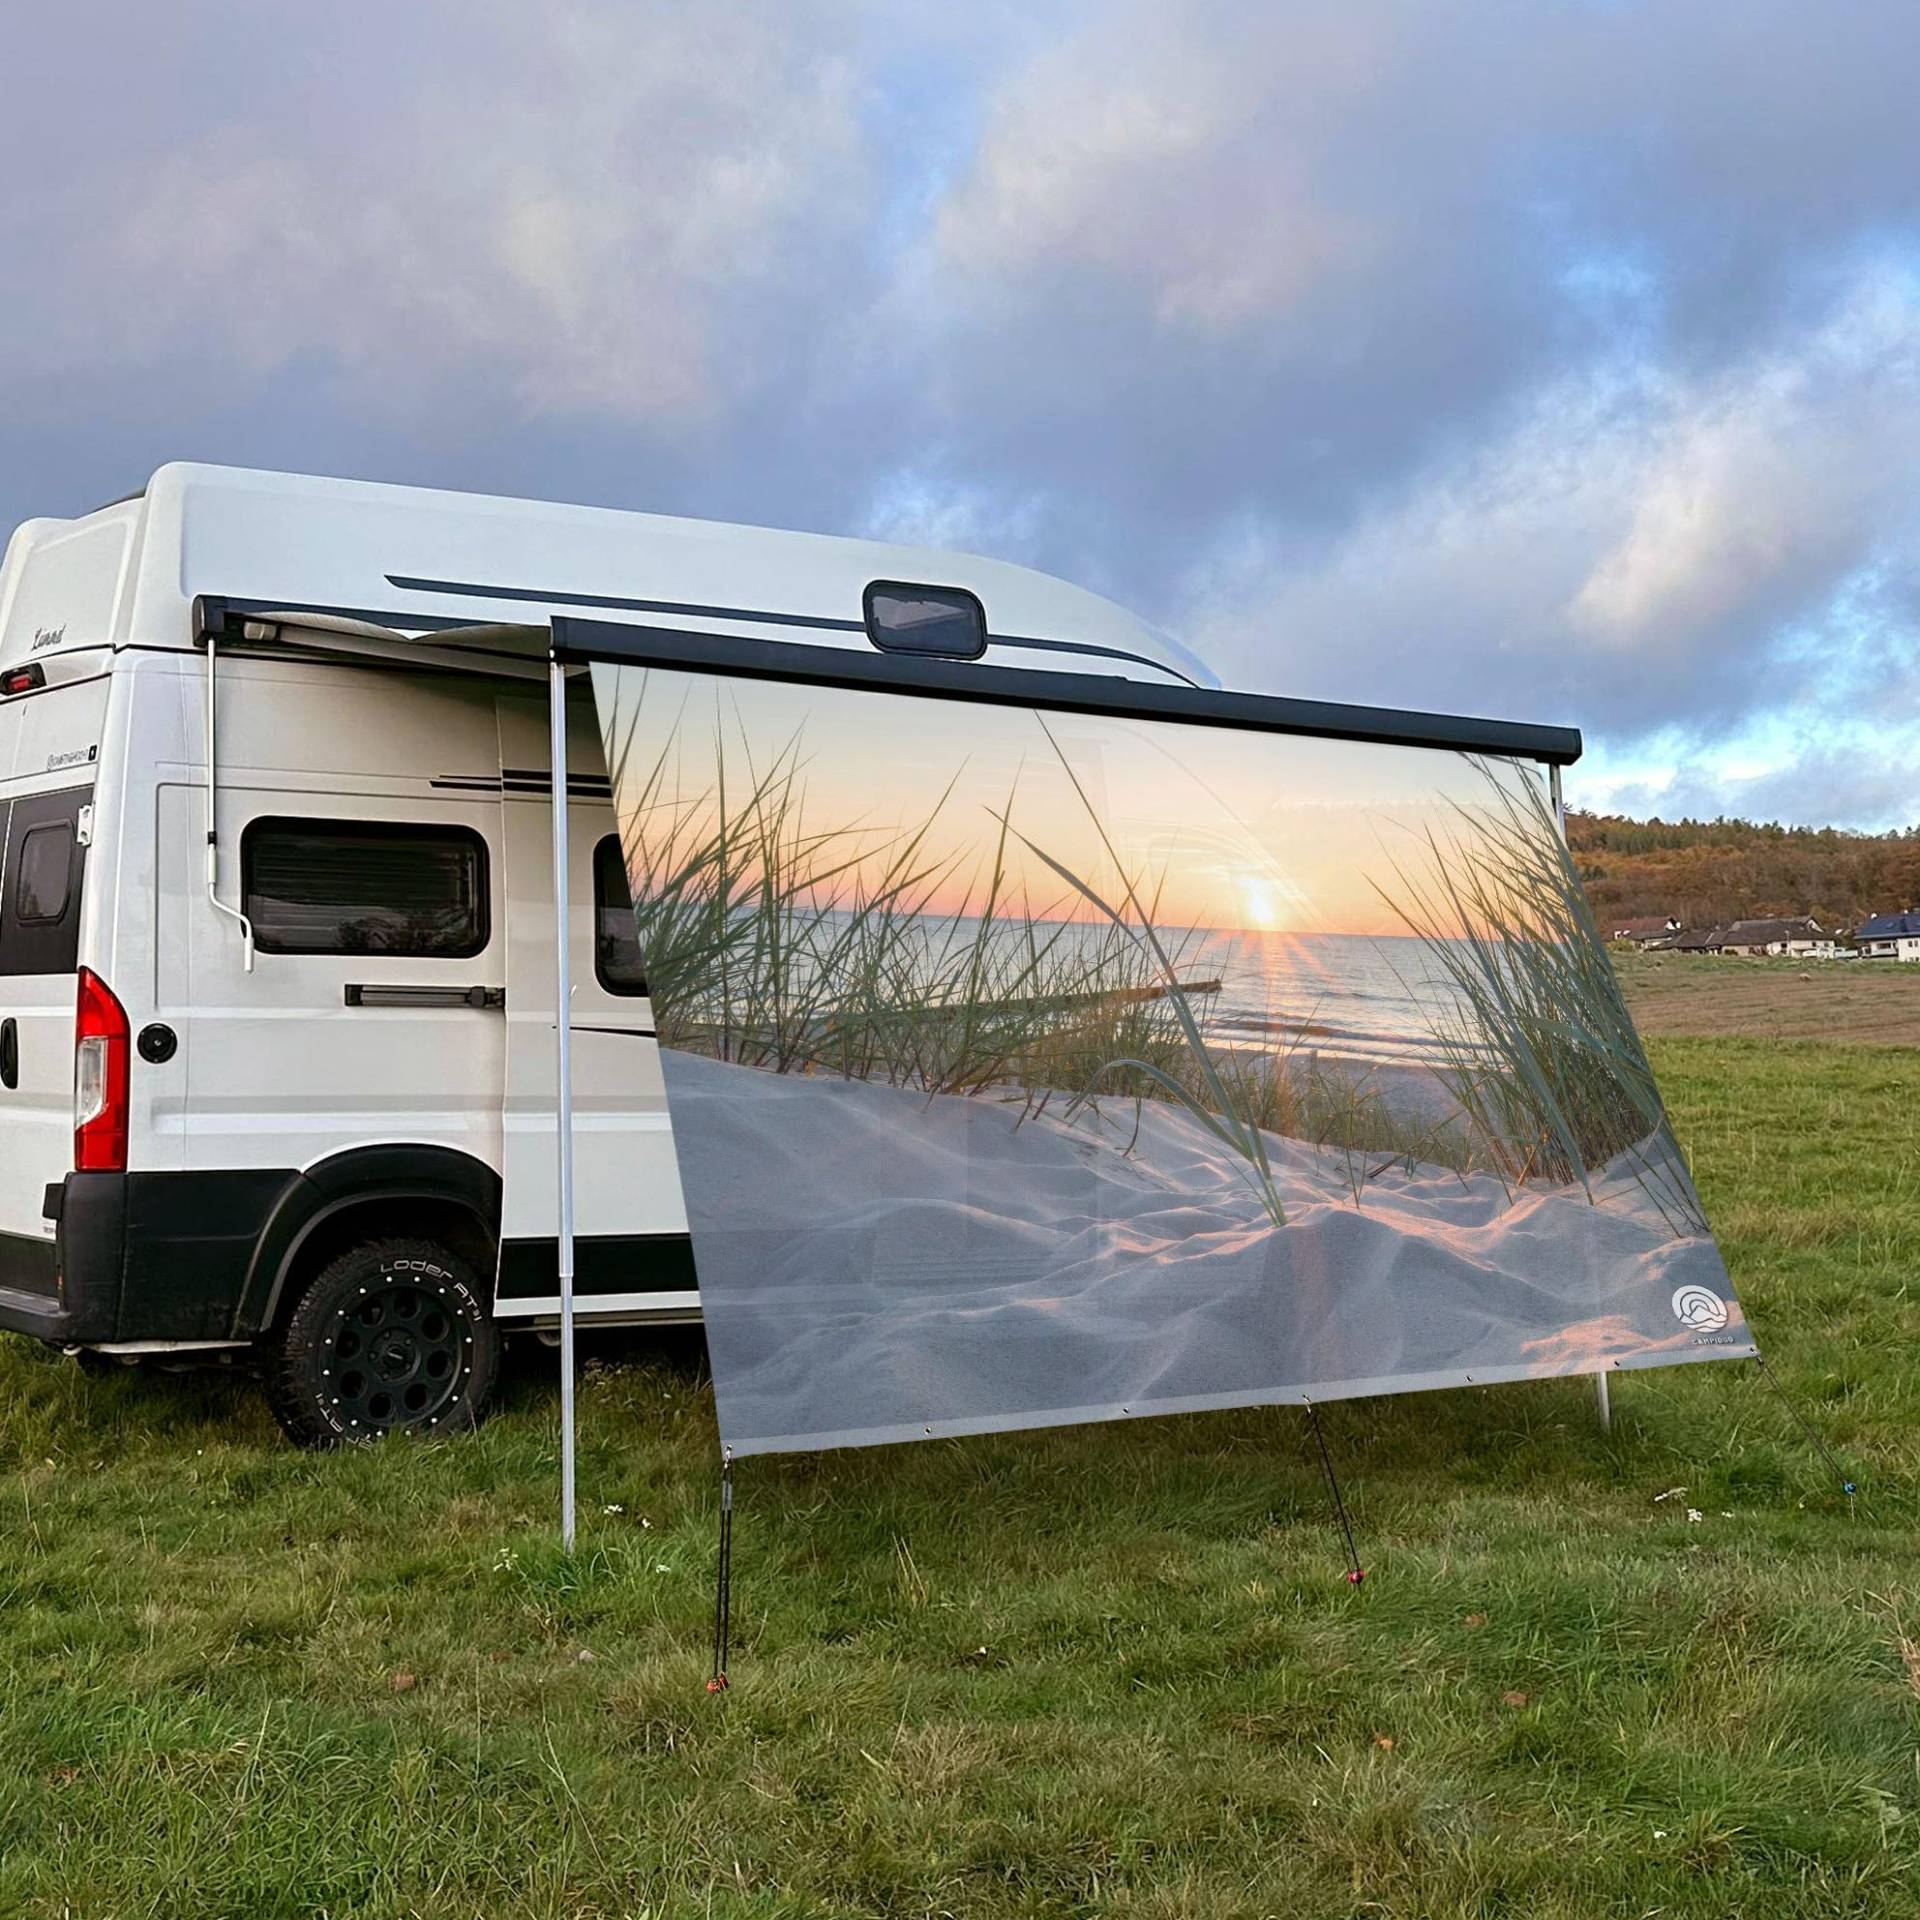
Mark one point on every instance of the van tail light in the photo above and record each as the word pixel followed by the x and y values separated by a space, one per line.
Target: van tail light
pixel 100 1050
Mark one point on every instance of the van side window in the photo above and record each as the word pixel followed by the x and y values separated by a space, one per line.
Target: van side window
pixel 616 947
pixel 364 886
pixel 44 864
pixel 45 875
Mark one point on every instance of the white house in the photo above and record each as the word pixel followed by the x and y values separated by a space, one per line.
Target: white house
pixel 1890 936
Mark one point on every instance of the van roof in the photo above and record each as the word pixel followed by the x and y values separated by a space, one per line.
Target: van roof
pixel 415 557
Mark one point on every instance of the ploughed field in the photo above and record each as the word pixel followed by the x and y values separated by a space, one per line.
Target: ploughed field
pixel 1870 1002
pixel 1111 1670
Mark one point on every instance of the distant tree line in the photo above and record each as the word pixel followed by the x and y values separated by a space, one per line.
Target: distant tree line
pixel 1709 872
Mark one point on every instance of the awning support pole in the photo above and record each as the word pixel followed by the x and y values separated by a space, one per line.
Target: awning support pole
pixel 1602 1393
pixel 563 1063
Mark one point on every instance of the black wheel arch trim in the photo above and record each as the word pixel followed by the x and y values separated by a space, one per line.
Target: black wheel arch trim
pixel 358 1177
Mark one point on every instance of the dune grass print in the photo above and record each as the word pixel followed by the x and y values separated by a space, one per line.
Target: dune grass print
pixel 776 942
pixel 1212 1103
pixel 779 942
pixel 1541 1051
pixel 770 943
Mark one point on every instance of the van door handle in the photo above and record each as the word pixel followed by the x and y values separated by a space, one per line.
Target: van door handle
pixel 9 1053
pixel 383 995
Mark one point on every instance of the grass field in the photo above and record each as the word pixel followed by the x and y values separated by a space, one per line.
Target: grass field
pixel 1875 1002
pixel 1109 1671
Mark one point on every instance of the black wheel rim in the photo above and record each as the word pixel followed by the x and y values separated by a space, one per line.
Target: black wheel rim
pixel 399 1355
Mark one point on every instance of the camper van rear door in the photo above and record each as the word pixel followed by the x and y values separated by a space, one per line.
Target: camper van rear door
pixel 42 872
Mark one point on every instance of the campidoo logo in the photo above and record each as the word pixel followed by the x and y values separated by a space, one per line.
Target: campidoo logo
pixel 1699 1308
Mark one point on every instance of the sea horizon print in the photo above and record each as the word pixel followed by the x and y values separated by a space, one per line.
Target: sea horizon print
pixel 1026 1069
pixel 1356 997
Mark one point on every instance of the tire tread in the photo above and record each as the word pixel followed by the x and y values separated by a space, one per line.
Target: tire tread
pixel 292 1349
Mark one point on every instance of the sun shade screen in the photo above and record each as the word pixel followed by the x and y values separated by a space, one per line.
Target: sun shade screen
pixel 1030 1068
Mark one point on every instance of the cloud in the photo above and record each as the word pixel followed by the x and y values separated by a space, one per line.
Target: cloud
pixel 1553 358
pixel 1864 781
pixel 1220 262
pixel 1141 156
pixel 1768 479
pixel 584 208
pixel 1636 548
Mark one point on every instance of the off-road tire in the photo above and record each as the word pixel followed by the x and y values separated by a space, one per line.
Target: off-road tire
pixel 393 1336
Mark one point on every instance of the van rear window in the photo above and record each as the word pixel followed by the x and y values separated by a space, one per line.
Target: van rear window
pixel 364 886
pixel 42 864
pixel 44 883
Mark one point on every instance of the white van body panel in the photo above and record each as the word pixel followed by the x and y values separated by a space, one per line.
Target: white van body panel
pixel 282 1071
pixel 278 1097
pixel 130 572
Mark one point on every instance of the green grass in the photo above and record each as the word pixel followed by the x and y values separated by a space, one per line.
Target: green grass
pixel 1111 1671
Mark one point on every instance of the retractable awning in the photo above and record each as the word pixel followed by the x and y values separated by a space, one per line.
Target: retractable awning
pixel 1043 1048
pixel 1053 1046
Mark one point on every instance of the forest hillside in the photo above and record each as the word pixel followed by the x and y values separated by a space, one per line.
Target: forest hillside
pixel 1708 872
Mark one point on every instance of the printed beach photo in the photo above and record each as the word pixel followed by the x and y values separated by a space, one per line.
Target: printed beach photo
pixel 1028 1068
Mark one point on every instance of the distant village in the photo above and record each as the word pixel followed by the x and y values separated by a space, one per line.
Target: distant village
pixel 1883 936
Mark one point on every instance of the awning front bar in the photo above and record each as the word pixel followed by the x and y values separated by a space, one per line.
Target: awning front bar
pixel 798 663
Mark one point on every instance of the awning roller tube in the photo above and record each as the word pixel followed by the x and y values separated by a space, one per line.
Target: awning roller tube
pixel 618 643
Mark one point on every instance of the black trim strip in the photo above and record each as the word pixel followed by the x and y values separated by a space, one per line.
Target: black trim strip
pixel 791 661
pixel 603 1263
pixel 618 603
pixel 580 786
pixel 589 786
pixel 1082 646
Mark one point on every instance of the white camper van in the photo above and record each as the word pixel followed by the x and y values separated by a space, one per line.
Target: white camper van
pixel 277 1012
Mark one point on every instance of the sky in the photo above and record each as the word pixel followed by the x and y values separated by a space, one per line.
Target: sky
pixel 1556 360
pixel 887 797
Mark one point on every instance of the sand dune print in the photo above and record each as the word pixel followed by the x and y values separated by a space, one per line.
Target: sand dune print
pixel 1026 1071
